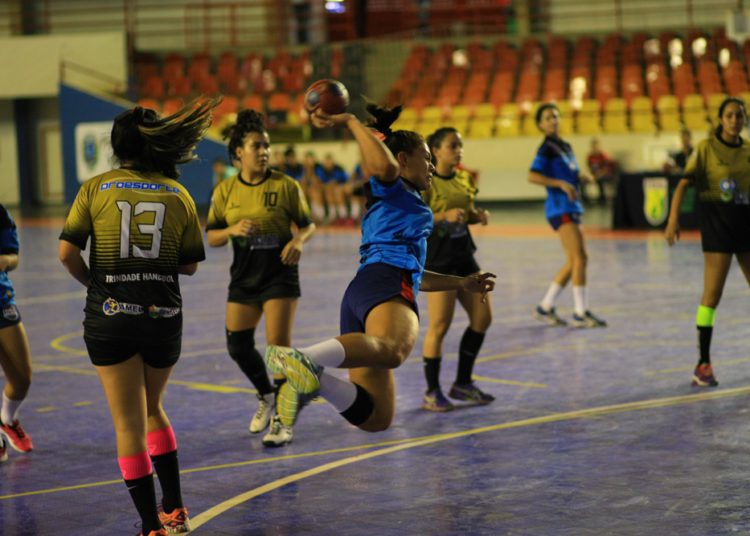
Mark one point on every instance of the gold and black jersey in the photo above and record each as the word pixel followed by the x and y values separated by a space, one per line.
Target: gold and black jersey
pixel 721 172
pixel 142 226
pixel 450 242
pixel 273 205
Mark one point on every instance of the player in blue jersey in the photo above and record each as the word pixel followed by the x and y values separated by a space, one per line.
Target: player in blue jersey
pixel 15 356
pixel 555 167
pixel 379 316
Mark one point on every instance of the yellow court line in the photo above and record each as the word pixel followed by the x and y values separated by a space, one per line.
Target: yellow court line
pixel 689 368
pixel 57 343
pixel 215 467
pixel 222 507
pixel 509 382
pixel 401 444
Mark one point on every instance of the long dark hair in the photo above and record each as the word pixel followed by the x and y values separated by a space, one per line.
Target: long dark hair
pixel 148 142
pixel 726 102
pixel 397 141
pixel 436 138
pixel 247 121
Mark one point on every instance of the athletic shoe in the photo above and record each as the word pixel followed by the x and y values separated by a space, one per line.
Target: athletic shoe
pixel 289 403
pixel 263 415
pixel 549 316
pixel 176 522
pixel 470 393
pixel 703 376
pixel 3 450
pixel 278 435
pixel 435 401
pixel 16 436
pixel 588 320
pixel 301 373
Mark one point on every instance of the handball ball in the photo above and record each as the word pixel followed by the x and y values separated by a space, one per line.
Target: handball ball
pixel 331 96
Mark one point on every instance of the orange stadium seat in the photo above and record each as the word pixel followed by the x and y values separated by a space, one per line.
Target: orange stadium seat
pixel 153 104
pixel 632 83
pixel 153 87
pixel 605 85
pixel 253 102
pixel 171 105
pixel 181 86
pixel 279 102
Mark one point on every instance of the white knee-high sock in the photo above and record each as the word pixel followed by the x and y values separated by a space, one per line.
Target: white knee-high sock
pixel 9 410
pixel 328 353
pixel 580 300
pixel 339 393
pixel 548 302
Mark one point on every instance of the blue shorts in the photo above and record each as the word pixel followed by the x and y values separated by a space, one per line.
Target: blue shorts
pixel 373 285
pixel 557 221
pixel 10 315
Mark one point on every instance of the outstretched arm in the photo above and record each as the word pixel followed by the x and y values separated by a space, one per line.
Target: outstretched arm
pixel 479 283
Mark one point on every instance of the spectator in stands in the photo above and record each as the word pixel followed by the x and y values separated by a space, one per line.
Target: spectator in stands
pixel 292 166
pixel 355 193
pixel 602 167
pixel 334 178
pixel 676 162
pixel 720 170
pixel 555 167
pixel 313 188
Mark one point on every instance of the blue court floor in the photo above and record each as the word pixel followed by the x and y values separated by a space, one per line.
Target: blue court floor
pixel 594 432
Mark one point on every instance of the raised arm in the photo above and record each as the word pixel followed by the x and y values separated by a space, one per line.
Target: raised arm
pixel 376 158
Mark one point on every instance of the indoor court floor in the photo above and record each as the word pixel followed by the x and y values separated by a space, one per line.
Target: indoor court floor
pixel 594 432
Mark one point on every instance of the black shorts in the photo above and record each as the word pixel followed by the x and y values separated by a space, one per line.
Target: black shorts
pixel 284 284
pixel 466 266
pixel 725 228
pixel 159 352
pixel 10 315
pixel 373 285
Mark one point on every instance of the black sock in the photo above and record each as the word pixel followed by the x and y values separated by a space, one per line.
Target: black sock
pixel 432 372
pixel 144 497
pixel 471 342
pixel 168 471
pixel 361 409
pixel 241 347
pixel 704 343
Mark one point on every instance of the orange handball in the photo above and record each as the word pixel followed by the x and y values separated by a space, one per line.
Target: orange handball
pixel 330 96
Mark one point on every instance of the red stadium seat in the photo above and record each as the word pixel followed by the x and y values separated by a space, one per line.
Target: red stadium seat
pixel 252 102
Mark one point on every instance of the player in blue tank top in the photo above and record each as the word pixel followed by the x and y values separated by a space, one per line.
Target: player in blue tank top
pixel 379 315
pixel 15 356
pixel 556 169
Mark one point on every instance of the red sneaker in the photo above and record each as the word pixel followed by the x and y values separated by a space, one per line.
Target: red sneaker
pixel 176 522
pixel 16 436
pixel 703 376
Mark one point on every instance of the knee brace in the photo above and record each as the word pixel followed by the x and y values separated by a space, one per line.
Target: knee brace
pixel 241 348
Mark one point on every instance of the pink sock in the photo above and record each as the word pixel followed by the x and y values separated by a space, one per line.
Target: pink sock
pixel 135 466
pixel 161 441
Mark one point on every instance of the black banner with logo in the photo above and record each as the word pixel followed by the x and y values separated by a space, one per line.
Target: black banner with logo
pixel 643 199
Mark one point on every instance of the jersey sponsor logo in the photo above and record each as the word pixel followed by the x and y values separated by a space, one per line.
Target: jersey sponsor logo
pixel 655 200
pixel 154 311
pixel 10 313
pixel 258 241
pixel 138 277
pixel 142 186
pixel 111 307
pixel 728 188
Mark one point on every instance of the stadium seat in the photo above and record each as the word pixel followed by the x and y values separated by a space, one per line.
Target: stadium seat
pixel 588 119
pixel 712 107
pixel 153 104
pixel 528 125
pixel 694 112
pixel 508 121
pixel 668 109
pixel 253 102
pixel 642 115
pixel 615 120
pixel 567 118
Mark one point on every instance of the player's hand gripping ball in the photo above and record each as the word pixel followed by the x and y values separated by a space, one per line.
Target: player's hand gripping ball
pixel 329 96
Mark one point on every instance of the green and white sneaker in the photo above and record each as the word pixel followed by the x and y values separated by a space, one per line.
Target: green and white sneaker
pixel 278 435
pixel 289 403
pixel 301 373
